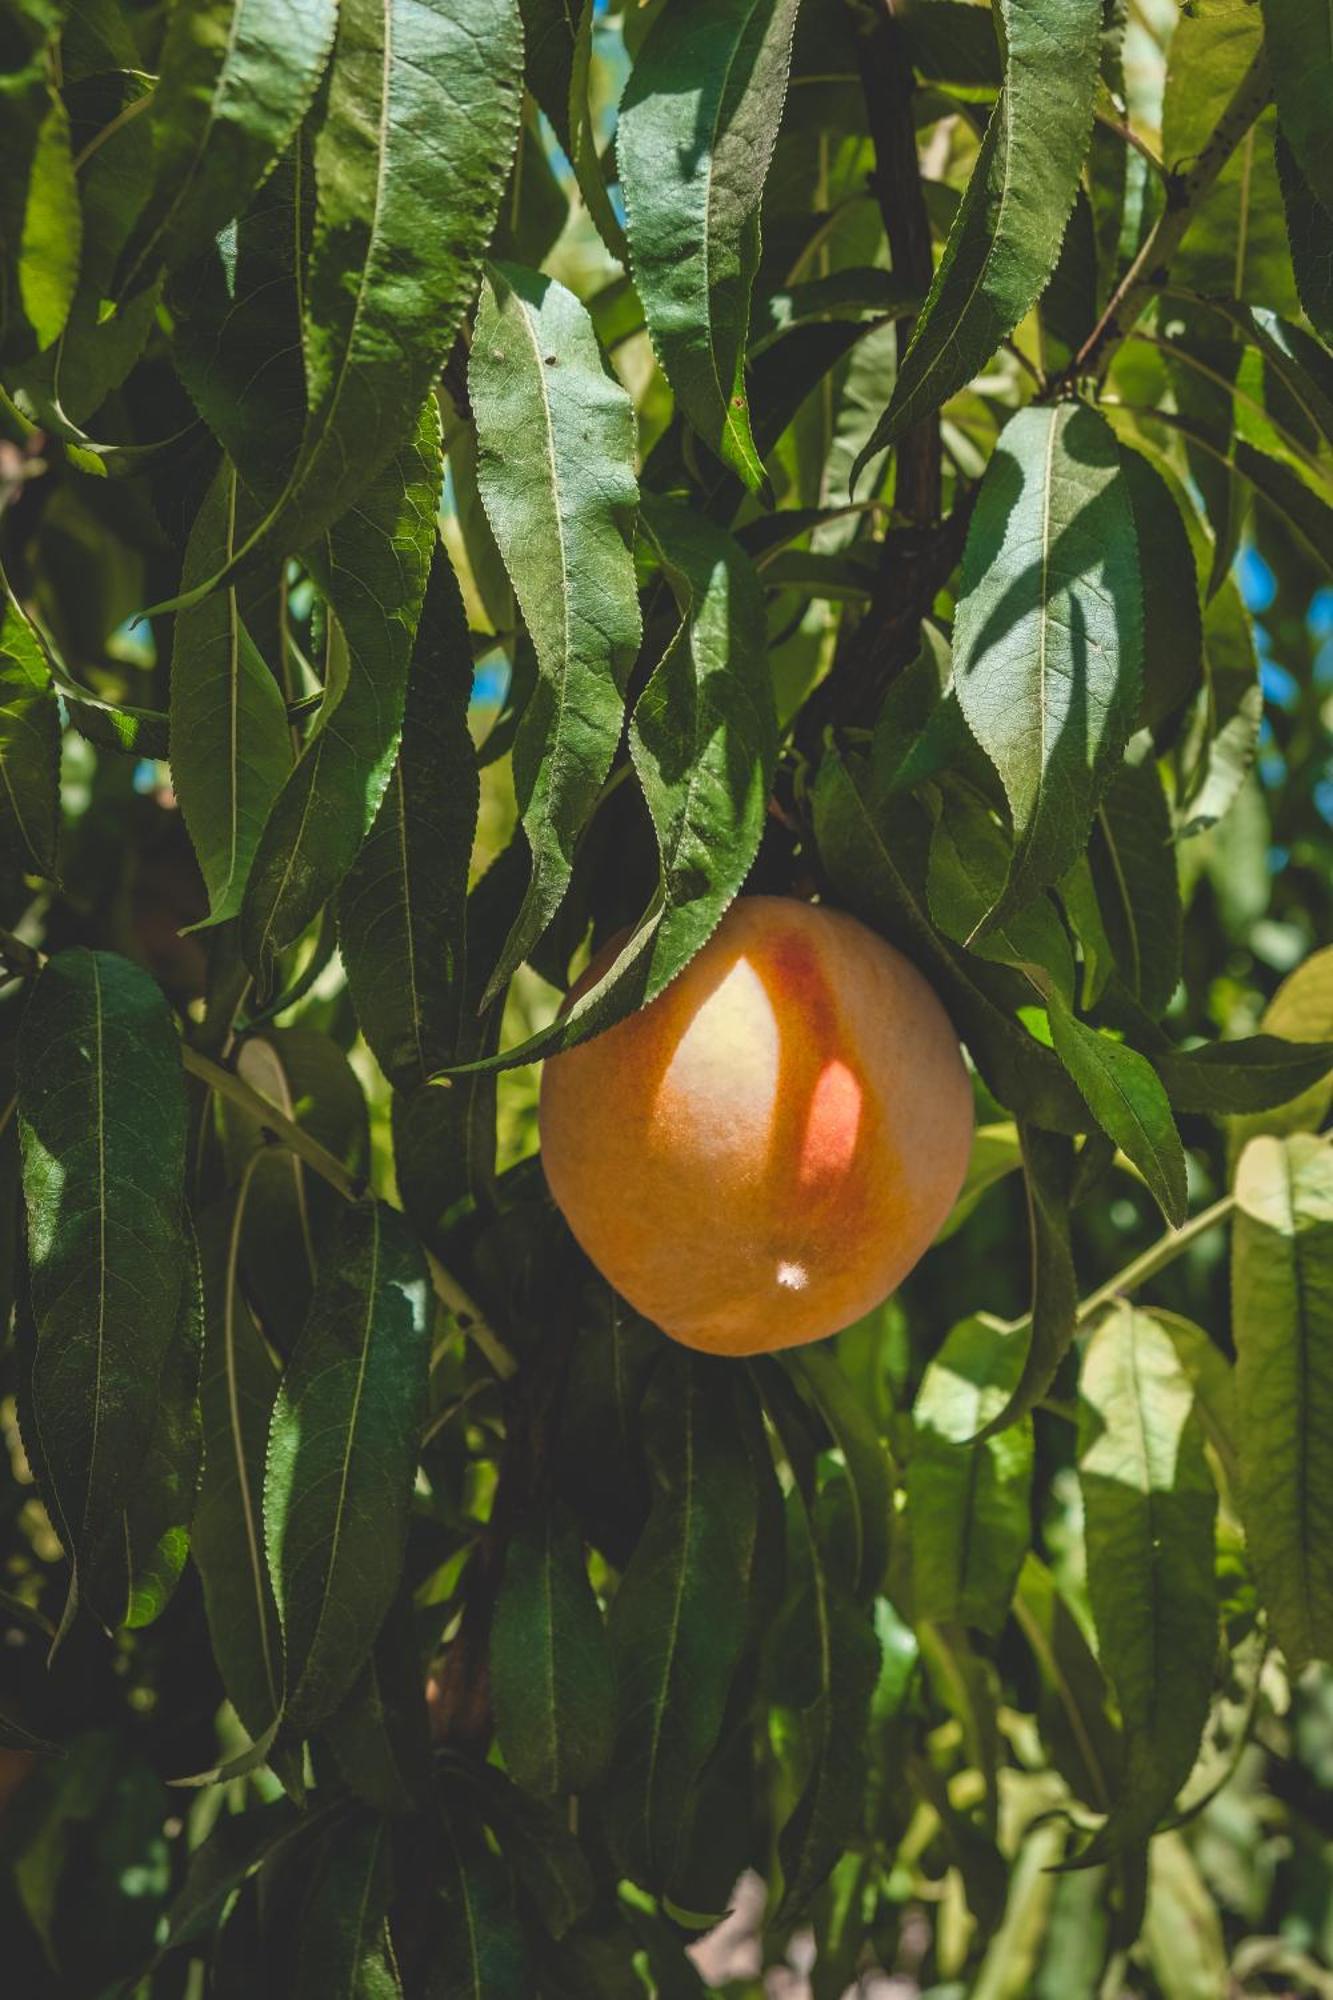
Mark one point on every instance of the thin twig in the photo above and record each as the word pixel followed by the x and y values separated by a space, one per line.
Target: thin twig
pixel 1154 1259
pixel 1131 138
pixel 226 1083
pixel 1184 192
pixel 351 1187
pixel 471 1319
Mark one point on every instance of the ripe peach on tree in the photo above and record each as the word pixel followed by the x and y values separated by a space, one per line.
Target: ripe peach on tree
pixel 758 1157
pixel 818 512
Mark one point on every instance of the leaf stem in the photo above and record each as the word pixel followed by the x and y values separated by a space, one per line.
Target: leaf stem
pixel 226 1083
pixel 1154 1259
pixel 351 1187
pixel 471 1318
pixel 1123 130
pixel 1184 192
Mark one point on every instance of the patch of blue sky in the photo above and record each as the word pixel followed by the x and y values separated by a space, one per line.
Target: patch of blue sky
pixel 1258 586
pixel 1279 686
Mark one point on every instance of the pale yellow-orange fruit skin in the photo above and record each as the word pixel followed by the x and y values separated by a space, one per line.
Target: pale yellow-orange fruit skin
pixel 762 1155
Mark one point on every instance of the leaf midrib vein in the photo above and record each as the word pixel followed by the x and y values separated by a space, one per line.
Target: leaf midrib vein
pixel 335 1537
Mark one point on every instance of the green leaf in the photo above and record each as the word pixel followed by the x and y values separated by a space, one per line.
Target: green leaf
pixel 703 735
pixel 970 859
pixel 1172 625
pixel 1235 245
pixel 1273 479
pixel 101 1106
pixel 970 1499
pixel 868 854
pixel 40 219
pixel 535 1840
pixel 1053 1318
pixel 703 739
pixel 601 1469
pixel 235 79
pixel 550 29
pixel 1298 36
pixel 1212 1378
pixel 1282 1323
pixel 237 1389
pixel 161 1501
pixel 551 1678
pixel 236 331
pixel 415 135
pixel 555 466
pixel 1301 1011
pixel 230 1854
pixel 1133 859
pixel 1006 234
pixel 342 1455
pixel 48 263
pixel 341 1941
pixel 1129 1103
pixel 372 568
pixel 1074 1708
pixel 1258 1073
pixel 1149 1508
pixel 230 743
pixel 583 155
pixel 1223 740
pixel 308 1077
pixel 380 1734
pixel 920 729
pixel 1049 632
pixel 698 124
pixel 995 1153
pixel 29 741
pixel 1308 226
pixel 444 1139
pixel 845 1654
pixel 679 1618
pixel 479 1951
pixel 402 908
pixel 869 1474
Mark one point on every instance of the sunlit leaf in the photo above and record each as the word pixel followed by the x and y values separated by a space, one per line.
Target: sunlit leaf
pixel 1235 245
pixel 237 1389
pixel 1148 1504
pixel 1282 1310
pixel 970 1500
pixel 555 467
pixel 1049 633
pixel 697 129
pixel 1006 235
pixel 230 742
pixel 101 1105
pixel 236 79
pixel 401 910
pixel 341 1453
pixel 29 740
pixel 373 568
pixel 1129 1103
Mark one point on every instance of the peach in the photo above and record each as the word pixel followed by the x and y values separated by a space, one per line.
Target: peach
pixel 759 1156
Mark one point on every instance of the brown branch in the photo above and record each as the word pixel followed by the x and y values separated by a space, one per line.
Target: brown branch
pixel 1184 192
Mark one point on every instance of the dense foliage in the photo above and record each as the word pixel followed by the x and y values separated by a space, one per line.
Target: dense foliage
pixel 479 476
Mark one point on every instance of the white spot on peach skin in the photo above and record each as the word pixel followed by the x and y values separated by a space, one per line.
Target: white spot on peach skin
pixel 793 1277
